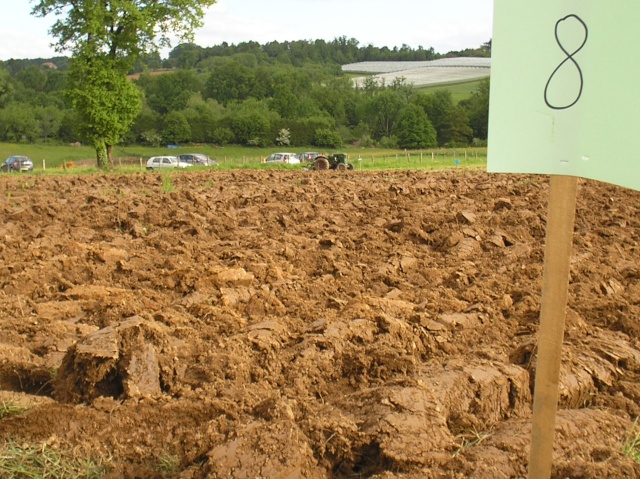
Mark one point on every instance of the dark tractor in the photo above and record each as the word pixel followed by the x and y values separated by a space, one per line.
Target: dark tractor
pixel 337 161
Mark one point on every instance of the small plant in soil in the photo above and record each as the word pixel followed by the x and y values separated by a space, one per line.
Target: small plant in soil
pixel 10 408
pixel 631 446
pixel 470 439
pixel 167 184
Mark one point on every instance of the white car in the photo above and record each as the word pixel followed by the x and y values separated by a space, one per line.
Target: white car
pixel 164 162
pixel 283 158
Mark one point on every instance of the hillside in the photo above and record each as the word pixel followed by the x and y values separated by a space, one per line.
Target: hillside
pixel 423 73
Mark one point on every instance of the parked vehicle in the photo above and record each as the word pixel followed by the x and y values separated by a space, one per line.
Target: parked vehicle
pixel 308 155
pixel 165 162
pixel 17 163
pixel 283 158
pixel 197 159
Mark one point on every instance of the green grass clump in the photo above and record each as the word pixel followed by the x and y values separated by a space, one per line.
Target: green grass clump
pixel 631 446
pixel 40 461
pixel 10 408
pixel 169 465
pixel 167 184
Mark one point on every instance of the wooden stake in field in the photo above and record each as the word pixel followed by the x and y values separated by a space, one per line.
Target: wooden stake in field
pixel 558 245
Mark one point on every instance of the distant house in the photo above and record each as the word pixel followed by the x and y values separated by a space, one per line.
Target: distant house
pixel 50 65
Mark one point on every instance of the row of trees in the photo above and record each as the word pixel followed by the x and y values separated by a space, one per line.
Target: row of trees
pixel 250 105
pixel 337 52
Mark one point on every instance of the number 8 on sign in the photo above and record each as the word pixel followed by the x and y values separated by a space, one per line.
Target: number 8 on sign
pixel 579 28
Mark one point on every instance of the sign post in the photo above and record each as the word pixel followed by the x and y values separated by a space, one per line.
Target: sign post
pixel 563 102
pixel 558 245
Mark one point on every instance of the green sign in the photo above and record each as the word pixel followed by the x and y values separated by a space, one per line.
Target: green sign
pixel 565 89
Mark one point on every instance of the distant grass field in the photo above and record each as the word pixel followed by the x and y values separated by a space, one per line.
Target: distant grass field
pixel 60 159
pixel 459 91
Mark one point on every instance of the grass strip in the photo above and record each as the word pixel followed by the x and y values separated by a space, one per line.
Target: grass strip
pixel 40 461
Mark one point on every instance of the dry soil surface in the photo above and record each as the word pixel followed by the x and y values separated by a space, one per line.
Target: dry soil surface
pixel 312 324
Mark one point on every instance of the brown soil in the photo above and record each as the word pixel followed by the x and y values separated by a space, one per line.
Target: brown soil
pixel 312 324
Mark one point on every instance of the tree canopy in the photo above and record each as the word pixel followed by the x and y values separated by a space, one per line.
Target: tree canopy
pixel 106 39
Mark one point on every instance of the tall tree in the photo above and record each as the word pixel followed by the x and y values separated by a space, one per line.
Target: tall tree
pixel 477 107
pixel 413 128
pixel 107 103
pixel 383 110
pixel 451 121
pixel 106 38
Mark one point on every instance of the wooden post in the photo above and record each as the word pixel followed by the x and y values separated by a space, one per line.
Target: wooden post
pixel 44 164
pixel 559 242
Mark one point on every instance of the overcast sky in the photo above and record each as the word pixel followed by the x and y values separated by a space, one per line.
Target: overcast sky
pixel 444 25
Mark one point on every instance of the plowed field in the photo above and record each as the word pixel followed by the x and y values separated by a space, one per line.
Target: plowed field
pixel 312 324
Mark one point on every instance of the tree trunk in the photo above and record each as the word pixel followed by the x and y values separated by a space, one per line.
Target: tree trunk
pixel 110 155
pixel 102 155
